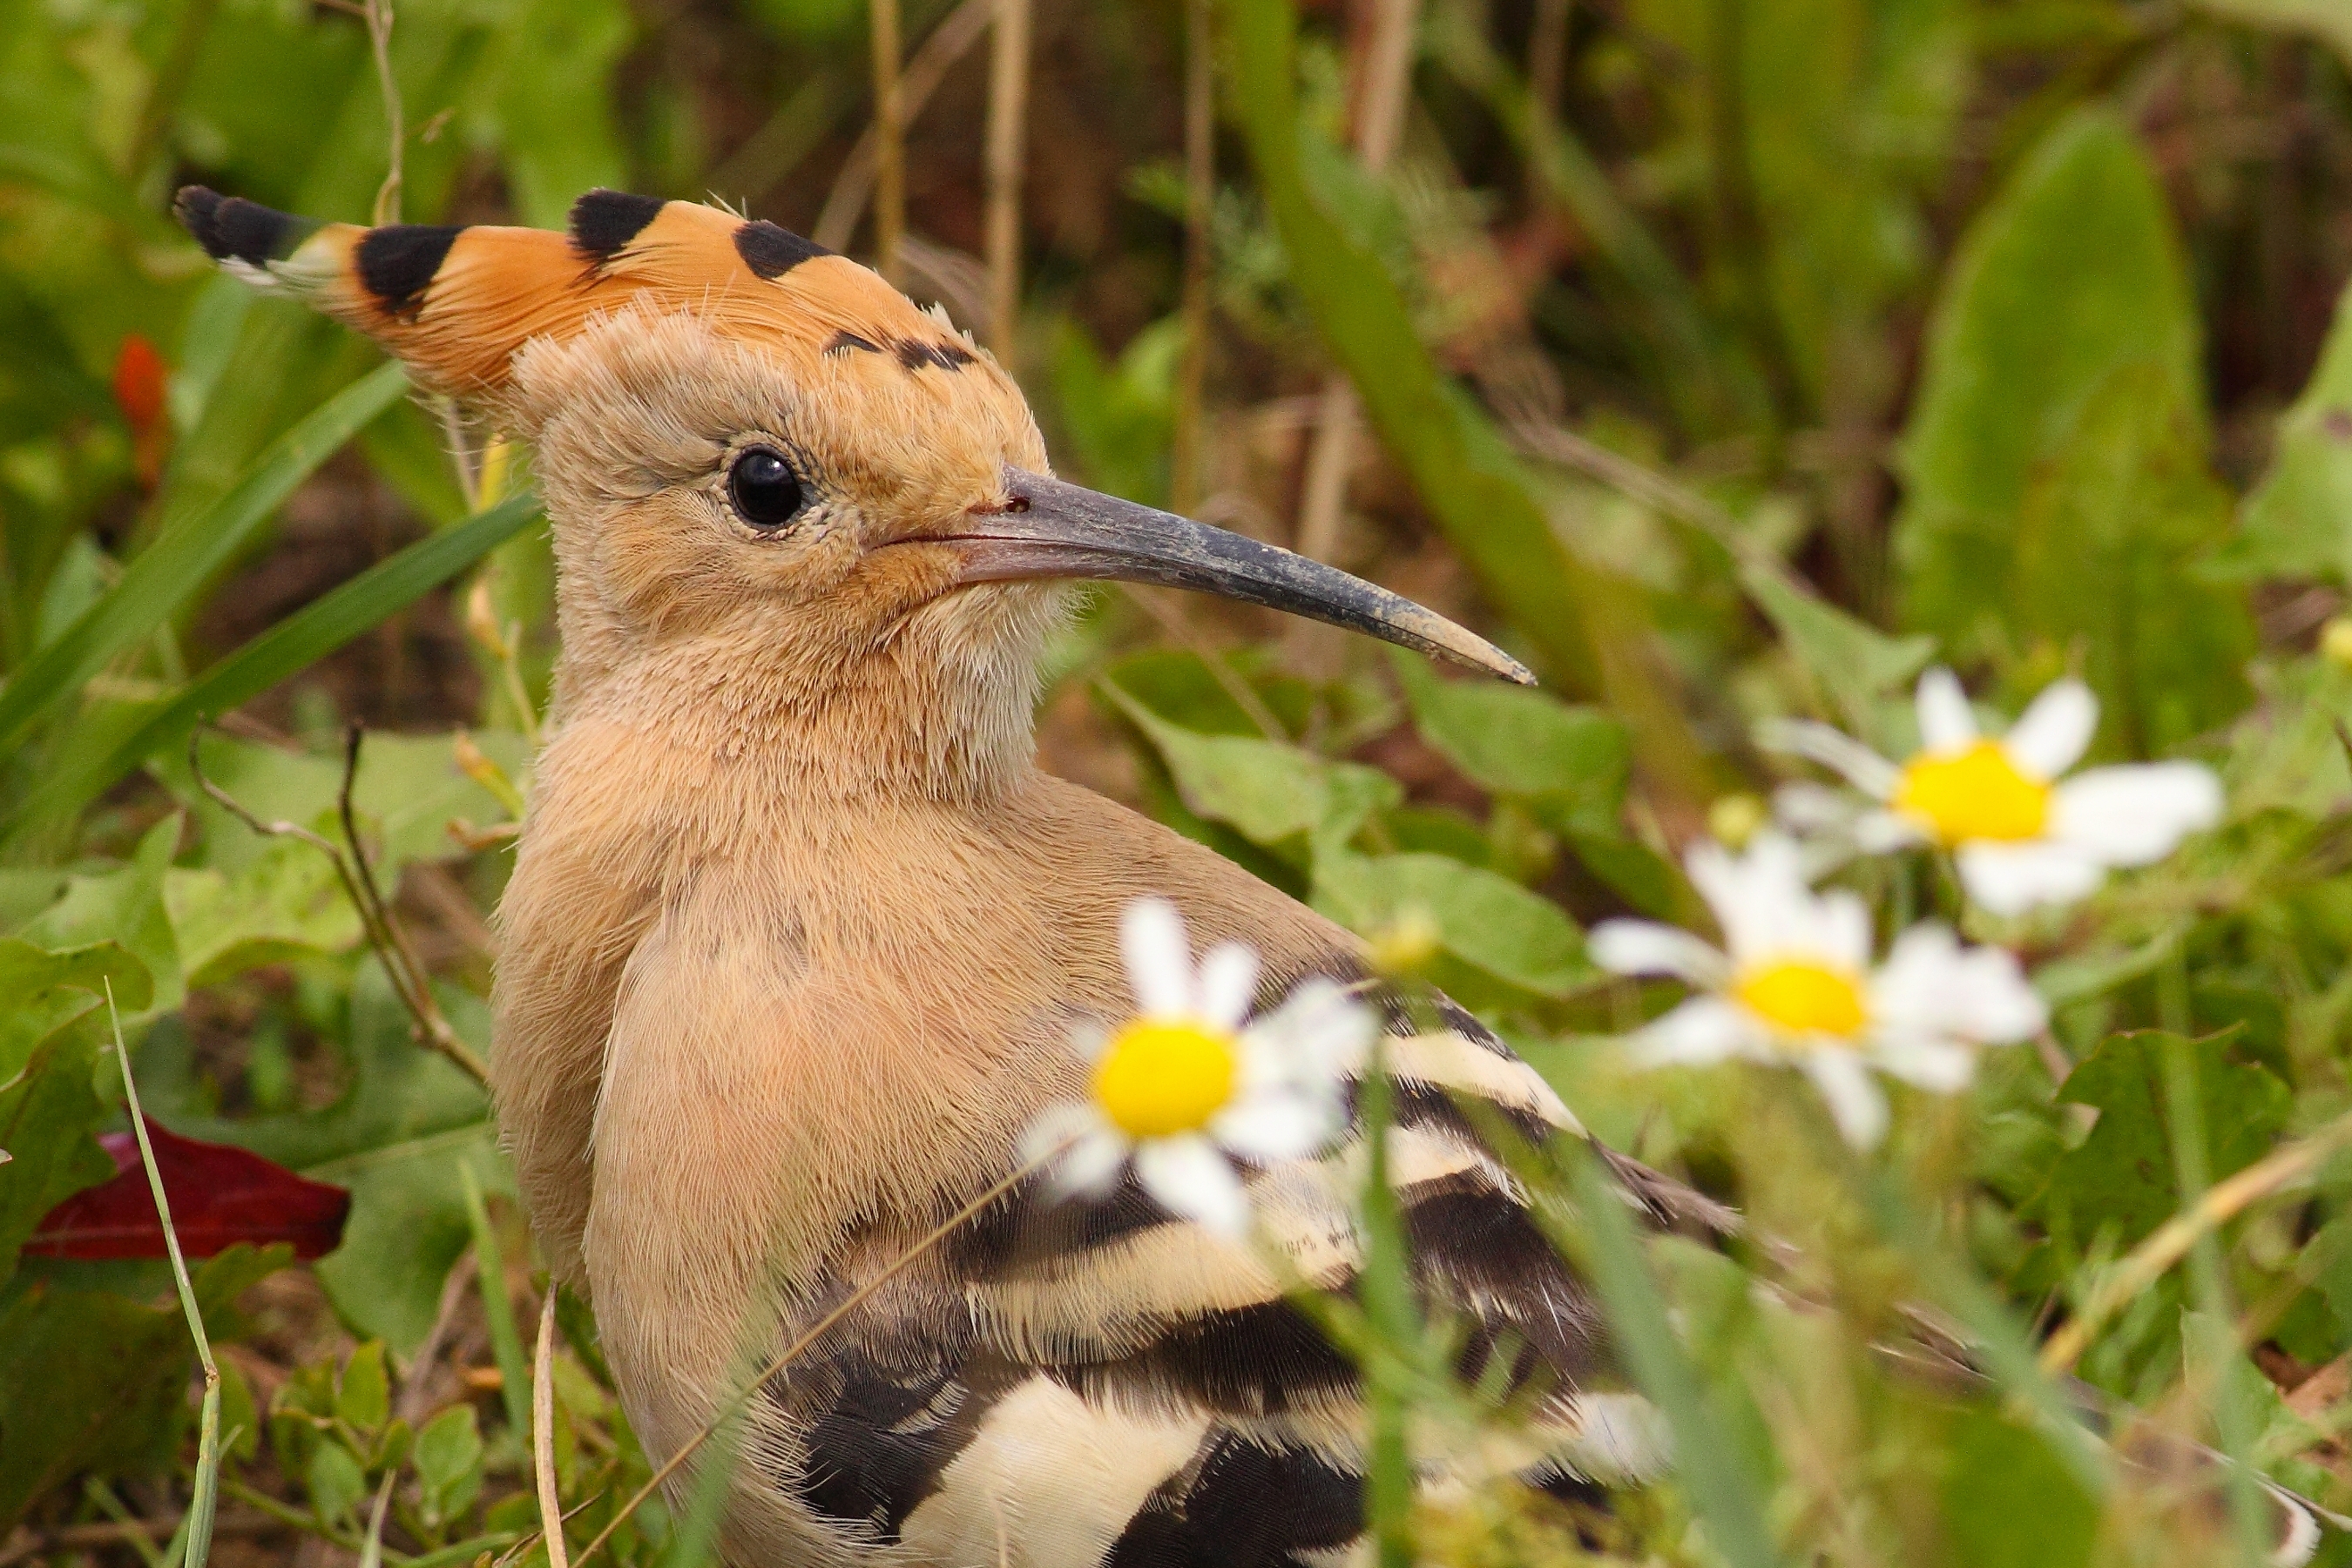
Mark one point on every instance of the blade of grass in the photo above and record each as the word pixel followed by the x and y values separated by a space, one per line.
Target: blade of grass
pixel 302 638
pixel 498 1311
pixel 1588 629
pixel 2216 1315
pixel 189 550
pixel 207 1500
pixel 1729 1496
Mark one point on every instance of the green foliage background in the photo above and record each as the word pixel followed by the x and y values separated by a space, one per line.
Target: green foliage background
pixel 1773 350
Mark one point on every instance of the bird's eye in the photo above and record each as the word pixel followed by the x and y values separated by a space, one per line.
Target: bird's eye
pixel 765 491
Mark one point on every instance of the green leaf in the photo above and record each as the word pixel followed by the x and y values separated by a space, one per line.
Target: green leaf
pixel 1513 740
pixel 294 644
pixel 124 905
pixel 448 1460
pixel 92 1381
pixel 336 1482
pixel 2122 1174
pixel 285 901
pixel 1853 662
pixel 1482 918
pixel 187 553
pixel 42 992
pixel 362 1394
pixel 2125 503
pixel 1272 793
pixel 2008 1500
pixel 2298 521
pixel 553 106
pixel 2073 271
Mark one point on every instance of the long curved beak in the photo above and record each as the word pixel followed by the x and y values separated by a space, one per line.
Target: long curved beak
pixel 1049 528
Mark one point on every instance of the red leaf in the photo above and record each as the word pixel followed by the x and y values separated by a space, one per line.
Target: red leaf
pixel 220 1194
pixel 139 382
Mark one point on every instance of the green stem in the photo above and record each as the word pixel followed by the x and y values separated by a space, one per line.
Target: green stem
pixel 506 1344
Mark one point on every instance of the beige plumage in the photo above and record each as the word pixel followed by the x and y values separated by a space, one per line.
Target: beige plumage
pixel 798 932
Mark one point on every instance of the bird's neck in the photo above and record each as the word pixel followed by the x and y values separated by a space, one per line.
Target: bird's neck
pixel 905 719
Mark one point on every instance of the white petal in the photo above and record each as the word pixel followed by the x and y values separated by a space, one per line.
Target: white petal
pixel 1940 1065
pixel 2134 815
pixel 2010 879
pixel 1833 748
pixel 2054 730
pixel 1855 1104
pixel 1091 1150
pixel 1159 963
pixel 1945 723
pixel 1703 1029
pixel 1190 1177
pixel 1277 1126
pixel 1759 898
pixel 1930 988
pixel 1881 831
pixel 1645 947
pixel 1840 930
pixel 1228 981
pixel 1319 1034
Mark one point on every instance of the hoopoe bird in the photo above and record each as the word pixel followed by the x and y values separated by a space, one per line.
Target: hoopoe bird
pixel 798 934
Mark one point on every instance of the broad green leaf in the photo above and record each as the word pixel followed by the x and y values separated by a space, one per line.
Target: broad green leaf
pixel 448 1460
pixel 2122 1174
pixel 1513 740
pixel 1272 793
pixel 2298 521
pixel 92 1381
pixel 362 1394
pixel 1854 663
pixel 1484 919
pixel 550 98
pixel 1459 463
pixel 2006 1499
pixel 2106 541
pixel 43 991
pixel 335 1481
pixel 124 905
pixel 286 900
pixel 187 554
pixel 2072 272
pixel 301 639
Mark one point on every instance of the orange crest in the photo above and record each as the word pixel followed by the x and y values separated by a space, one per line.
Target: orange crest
pixel 456 302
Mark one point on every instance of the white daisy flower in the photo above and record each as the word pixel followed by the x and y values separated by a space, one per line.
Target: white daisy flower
pixel 1186 1087
pixel 2020 832
pixel 1795 985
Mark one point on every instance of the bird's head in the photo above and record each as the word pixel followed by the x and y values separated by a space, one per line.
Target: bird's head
pixel 771 478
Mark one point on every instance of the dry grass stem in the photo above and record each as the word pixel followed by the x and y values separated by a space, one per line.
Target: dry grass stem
pixel 1008 121
pixel 542 1435
pixel 889 139
pixel 837 221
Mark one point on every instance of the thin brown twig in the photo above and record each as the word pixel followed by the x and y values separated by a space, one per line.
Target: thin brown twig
pixel 1008 123
pixel 408 981
pixel 814 1332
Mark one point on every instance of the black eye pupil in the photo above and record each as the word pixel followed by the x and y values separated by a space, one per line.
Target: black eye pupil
pixel 765 487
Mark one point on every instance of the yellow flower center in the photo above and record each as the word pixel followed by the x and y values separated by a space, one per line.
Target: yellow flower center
pixel 1160 1076
pixel 1975 793
pixel 1800 996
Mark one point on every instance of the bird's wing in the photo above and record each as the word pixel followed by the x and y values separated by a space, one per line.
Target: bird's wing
pixel 1077 1381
